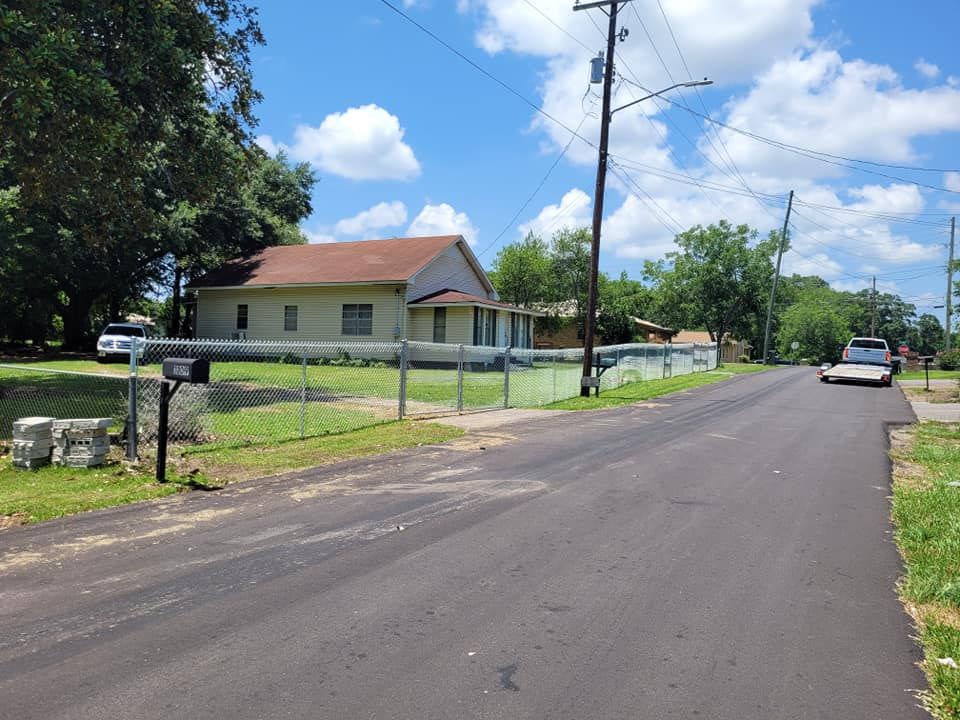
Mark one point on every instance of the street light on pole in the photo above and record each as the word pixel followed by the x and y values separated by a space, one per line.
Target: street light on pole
pixel 589 322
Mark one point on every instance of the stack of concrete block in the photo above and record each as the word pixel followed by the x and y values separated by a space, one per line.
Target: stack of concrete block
pixel 81 442
pixel 32 442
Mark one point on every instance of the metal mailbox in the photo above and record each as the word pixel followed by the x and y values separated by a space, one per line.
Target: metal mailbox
pixel 187 370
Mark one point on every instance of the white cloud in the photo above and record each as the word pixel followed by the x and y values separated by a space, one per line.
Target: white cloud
pixel 381 215
pixel 817 264
pixel 315 238
pixel 951 181
pixel 928 70
pixel 818 100
pixel 362 143
pixel 443 220
pixel 895 198
pixel 730 41
pixel 573 211
pixel 267 143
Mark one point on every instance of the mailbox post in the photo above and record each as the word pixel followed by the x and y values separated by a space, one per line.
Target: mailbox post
pixel 926 359
pixel 180 370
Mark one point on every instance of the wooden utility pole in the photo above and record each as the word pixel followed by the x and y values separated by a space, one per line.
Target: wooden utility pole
pixel 590 321
pixel 948 334
pixel 776 281
pixel 873 311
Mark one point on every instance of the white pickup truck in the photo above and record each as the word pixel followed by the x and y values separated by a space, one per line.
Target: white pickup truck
pixel 864 360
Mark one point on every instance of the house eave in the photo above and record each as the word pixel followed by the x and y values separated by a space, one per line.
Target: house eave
pixel 279 286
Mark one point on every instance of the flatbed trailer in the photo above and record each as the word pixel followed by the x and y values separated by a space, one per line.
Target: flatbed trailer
pixel 859 372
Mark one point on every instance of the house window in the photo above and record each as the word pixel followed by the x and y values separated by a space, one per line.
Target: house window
pixel 241 317
pixel 357 320
pixel 290 317
pixel 440 325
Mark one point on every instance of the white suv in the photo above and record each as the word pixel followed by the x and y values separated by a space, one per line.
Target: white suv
pixel 114 341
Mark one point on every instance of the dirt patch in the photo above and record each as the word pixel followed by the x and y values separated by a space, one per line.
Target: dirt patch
pixel 479 442
pixel 907 473
pixel 936 394
pixel 9 521
pixel 933 612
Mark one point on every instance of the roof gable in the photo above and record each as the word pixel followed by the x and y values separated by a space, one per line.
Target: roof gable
pixel 365 261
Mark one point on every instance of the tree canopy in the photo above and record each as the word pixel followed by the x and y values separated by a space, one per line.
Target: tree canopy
pixel 125 154
pixel 715 279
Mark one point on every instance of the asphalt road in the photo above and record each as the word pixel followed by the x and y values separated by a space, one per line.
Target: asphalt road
pixel 724 553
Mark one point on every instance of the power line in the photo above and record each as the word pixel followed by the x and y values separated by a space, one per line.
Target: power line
pixel 817 155
pixel 725 155
pixel 560 27
pixel 485 72
pixel 539 187
pixel 875 214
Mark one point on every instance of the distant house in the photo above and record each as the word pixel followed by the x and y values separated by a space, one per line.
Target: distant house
pixel 653 333
pixel 562 329
pixel 731 349
pixel 429 289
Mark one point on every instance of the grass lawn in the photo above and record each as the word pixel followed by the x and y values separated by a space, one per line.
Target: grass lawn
pixel 647 390
pixel 51 492
pixel 934 375
pixel 926 513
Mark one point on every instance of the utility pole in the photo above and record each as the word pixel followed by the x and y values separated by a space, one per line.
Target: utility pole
pixel 949 332
pixel 873 310
pixel 776 281
pixel 589 322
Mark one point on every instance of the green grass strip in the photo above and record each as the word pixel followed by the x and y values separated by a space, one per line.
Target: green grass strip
pixel 926 515
pixel 50 492
pixel 934 375
pixel 649 389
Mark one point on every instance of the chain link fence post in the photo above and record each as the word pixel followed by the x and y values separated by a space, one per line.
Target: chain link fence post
pixel 460 378
pixel 506 378
pixel 303 396
pixel 132 400
pixel 402 405
pixel 553 397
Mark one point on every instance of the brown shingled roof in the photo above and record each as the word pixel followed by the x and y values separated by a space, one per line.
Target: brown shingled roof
pixel 455 297
pixel 365 261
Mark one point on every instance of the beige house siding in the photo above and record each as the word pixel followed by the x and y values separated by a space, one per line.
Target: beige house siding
pixel 450 269
pixel 459 325
pixel 319 312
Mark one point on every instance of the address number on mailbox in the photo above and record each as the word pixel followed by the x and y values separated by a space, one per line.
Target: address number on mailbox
pixel 188 370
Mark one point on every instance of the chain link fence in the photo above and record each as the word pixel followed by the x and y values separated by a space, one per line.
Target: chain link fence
pixel 268 391
pixel 27 391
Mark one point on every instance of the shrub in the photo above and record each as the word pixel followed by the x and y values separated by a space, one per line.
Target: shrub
pixel 950 360
pixel 743 359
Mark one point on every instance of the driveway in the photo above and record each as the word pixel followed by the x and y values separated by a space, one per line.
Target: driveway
pixel 723 553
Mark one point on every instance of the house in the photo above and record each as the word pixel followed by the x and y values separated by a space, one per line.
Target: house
pixel 652 333
pixel 430 289
pixel 731 349
pixel 561 329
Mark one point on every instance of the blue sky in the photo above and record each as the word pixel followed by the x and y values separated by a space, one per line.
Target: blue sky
pixel 407 138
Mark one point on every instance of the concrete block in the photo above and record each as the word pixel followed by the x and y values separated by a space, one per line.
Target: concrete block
pixel 29 451
pixel 32 424
pixel 82 461
pixel 31 464
pixel 80 452
pixel 38 436
pixel 82 424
